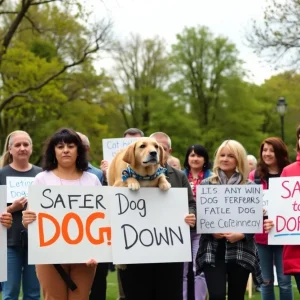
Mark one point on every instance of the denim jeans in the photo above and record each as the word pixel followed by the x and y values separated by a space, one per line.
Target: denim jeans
pixel 19 271
pixel 269 255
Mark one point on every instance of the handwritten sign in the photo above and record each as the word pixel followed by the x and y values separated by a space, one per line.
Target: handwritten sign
pixel 73 225
pixel 284 211
pixel 229 208
pixel 17 187
pixel 3 238
pixel 148 226
pixel 112 146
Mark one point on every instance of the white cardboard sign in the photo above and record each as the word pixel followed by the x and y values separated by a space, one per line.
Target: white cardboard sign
pixel 73 225
pixel 284 211
pixel 148 226
pixel 112 146
pixel 229 208
pixel 3 237
pixel 17 187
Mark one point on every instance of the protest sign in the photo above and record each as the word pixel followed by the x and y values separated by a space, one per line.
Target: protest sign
pixel 3 237
pixel 229 208
pixel 73 225
pixel 284 211
pixel 148 226
pixel 112 146
pixel 17 187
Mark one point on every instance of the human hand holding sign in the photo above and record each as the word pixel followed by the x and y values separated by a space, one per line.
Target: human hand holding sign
pixel 6 219
pixel 28 217
pixel 268 225
pixel 190 219
pixel 17 205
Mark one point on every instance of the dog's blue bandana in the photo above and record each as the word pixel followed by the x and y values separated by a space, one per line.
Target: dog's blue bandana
pixel 128 172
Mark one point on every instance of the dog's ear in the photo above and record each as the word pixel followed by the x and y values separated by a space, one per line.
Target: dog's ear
pixel 162 156
pixel 129 156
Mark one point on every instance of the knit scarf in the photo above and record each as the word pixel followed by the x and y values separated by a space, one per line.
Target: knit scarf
pixel 236 178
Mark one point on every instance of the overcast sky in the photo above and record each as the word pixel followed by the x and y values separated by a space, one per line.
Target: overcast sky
pixel 166 18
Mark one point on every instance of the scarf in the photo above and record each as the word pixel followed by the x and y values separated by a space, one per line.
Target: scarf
pixel 236 178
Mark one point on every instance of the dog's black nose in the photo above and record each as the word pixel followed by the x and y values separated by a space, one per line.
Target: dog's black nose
pixel 153 153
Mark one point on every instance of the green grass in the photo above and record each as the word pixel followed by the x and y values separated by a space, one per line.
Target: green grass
pixel 112 289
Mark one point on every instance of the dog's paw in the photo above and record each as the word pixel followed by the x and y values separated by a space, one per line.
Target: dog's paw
pixel 164 186
pixel 133 184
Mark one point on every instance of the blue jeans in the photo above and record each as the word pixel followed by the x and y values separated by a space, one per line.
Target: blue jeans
pixel 270 255
pixel 19 271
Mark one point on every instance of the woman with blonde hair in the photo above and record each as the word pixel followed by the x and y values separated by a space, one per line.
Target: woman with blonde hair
pixel 15 163
pixel 232 256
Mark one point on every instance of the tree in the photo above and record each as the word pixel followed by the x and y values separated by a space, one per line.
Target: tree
pixel 278 37
pixel 41 46
pixel 208 81
pixel 287 85
pixel 142 69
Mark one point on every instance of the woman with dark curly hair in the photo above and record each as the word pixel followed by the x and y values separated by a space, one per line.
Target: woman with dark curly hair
pixel 273 158
pixel 65 163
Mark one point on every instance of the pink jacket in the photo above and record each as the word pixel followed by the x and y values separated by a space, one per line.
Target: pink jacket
pixel 260 238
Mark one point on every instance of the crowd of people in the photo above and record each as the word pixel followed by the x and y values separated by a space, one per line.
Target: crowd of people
pixel 221 262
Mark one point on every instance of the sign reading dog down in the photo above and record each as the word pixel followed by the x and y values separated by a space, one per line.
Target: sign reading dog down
pixel 3 237
pixel 229 208
pixel 73 225
pixel 148 226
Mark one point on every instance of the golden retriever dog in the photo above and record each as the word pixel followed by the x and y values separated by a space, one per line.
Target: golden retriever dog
pixel 139 165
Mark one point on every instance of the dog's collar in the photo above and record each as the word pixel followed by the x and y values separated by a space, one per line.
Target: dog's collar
pixel 128 172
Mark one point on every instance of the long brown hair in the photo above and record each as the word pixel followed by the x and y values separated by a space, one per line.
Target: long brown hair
pixel 281 154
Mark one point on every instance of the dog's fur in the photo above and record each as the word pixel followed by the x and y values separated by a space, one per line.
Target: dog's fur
pixel 144 157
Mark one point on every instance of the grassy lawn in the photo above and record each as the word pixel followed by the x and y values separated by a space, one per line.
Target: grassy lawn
pixel 112 289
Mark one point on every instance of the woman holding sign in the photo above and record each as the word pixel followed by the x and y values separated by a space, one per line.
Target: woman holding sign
pixel 196 168
pixel 228 255
pixel 291 253
pixel 15 165
pixel 273 158
pixel 65 163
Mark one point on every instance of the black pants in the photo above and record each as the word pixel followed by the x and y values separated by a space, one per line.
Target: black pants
pixel 98 290
pixel 153 281
pixel 236 275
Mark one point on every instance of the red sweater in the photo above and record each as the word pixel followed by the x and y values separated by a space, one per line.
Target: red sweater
pixel 260 238
pixel 291 253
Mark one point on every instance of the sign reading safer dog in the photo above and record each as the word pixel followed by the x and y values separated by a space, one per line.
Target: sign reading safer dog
pixel 3 237
pixel 229 208
pixel 148 226
pixel 72 226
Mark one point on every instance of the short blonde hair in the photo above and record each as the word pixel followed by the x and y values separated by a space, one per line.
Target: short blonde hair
pixel 240 155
